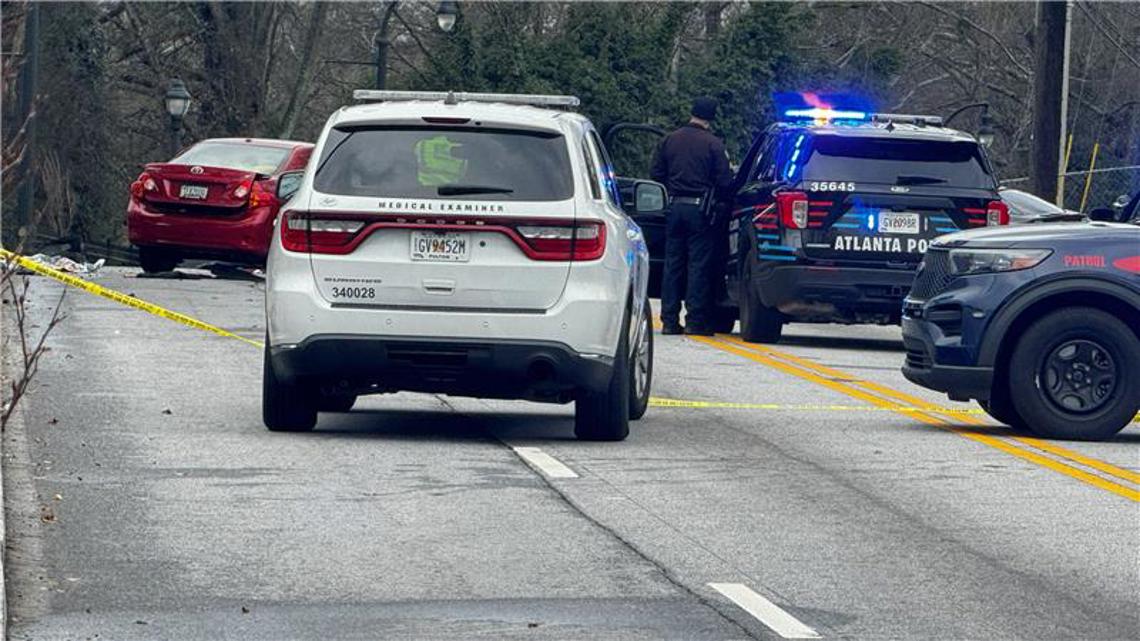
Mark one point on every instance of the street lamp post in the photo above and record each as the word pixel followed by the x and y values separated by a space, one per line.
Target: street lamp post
pixel 985 129
pixel 446 15
pixel 177 101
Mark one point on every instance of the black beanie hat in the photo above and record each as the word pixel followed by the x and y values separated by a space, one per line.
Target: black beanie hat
pixel 705 108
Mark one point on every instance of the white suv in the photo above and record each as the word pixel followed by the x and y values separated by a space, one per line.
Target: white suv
pixel 464 244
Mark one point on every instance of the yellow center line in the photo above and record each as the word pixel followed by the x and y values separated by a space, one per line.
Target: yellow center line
pixel 824 376
pixel 1056 450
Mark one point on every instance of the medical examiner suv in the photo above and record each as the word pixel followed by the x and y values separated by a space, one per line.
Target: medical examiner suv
pixel 463 244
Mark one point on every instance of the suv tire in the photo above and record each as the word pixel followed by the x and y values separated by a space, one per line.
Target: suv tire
pixel 641 365
pixel 154 260
pixel 1000 408
pixel 1075 374
pixel 604 415
pixel 285 407
pixel 758 322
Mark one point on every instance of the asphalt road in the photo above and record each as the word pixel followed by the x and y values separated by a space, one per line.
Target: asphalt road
pixel 145 500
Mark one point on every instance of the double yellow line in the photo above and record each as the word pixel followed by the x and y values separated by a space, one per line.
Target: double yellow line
pixel 1024 447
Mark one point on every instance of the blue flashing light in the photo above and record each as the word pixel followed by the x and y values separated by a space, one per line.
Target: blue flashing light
pixel 871 222
pixel 791 170
pixel 795 155
pixel 818 113
pixel 799 141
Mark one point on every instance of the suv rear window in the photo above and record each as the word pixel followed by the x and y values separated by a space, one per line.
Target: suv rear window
pixel 232 155
pixel 897 162
pixel 434 162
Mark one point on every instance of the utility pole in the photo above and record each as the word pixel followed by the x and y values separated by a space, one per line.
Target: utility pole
pixel 28 79
pixel 1050 97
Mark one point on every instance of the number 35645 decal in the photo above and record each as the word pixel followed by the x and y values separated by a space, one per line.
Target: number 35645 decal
pixel 823 185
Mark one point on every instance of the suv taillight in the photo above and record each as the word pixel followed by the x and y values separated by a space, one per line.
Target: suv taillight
pixel 143 185
pixel 793 209
pixel 997 213
pixel 579 241
pixel 299 233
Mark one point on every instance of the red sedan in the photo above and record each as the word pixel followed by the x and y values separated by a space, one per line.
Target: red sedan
pixel 215 200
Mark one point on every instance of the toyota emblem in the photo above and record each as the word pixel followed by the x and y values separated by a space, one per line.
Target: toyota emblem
pixel 196 170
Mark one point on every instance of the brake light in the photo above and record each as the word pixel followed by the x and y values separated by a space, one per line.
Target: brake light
pixel 299 233
pixel 997 213
pixel 143 185
pixel 259 197
pixel 580 241
pixel 793 209
pixel 242 190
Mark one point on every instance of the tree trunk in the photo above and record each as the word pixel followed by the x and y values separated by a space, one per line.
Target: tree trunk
pixel 1048 89
pixel 305 70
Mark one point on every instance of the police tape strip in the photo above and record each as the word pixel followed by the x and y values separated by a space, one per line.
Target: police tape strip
pixel 151 308
pixel 676 403
pixel 119 297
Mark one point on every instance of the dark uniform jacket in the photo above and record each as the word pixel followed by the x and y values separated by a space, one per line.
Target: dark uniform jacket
pixel 690 161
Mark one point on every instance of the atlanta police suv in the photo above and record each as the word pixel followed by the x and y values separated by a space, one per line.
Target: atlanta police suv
pixel 1040 324
pixel 465 244
pixel 833 210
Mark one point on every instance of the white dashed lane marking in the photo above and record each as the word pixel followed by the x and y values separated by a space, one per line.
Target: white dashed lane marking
pixel 768 613
pixel 546 464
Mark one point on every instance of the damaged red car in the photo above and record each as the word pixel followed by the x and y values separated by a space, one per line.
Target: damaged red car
pixel 216 200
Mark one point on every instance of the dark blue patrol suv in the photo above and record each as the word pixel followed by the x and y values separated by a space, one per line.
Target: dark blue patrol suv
pixel 1040 324
pixel 833 210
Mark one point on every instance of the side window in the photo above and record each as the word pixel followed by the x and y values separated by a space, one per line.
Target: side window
pixel 766 161
pixel 609 181
pixel 591 170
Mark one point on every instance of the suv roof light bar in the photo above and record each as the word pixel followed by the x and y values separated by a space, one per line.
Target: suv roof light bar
pixel 455 97
pixel 908 119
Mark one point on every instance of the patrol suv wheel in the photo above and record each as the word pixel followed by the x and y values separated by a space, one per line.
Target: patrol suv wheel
pixel 154 260
pixel 1000 407
pixel 758 322
pixel 1075 374
pixel 604 415
pixel 285 407
pixel 641 367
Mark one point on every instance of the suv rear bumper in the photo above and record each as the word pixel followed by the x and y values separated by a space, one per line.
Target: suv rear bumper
pixel 959 382
pixel 544 371
pixel 837 292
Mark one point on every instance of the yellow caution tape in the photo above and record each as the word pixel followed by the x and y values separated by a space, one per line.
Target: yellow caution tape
pixel 675 403
pixel 119 297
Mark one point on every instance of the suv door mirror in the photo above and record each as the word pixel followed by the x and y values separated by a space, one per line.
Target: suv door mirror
pixel 649 198
pixel 288 184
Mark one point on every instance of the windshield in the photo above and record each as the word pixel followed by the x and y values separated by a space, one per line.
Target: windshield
pixel 234 155
pixel 897 162
pixel 430 162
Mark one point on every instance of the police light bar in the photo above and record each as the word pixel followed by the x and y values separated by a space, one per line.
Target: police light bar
pixel 908 119
pixel 821 113
pixel 455 97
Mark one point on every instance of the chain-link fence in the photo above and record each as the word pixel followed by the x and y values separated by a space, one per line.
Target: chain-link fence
pixel 1088 190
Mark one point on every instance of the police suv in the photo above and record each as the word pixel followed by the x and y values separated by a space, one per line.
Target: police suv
pixel 466 244
pixel 834 209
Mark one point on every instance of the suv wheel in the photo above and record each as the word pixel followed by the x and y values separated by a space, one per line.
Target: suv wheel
pixel 154 260
pixel 604 415
pixel 285 407
pixel 1000 407
pixel 641 366
pixel 758 322
pixel 1075 374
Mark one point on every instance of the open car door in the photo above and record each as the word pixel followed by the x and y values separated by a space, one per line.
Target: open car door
pixel 632 164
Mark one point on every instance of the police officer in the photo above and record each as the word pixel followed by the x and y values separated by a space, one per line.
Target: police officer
pixel 692 164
